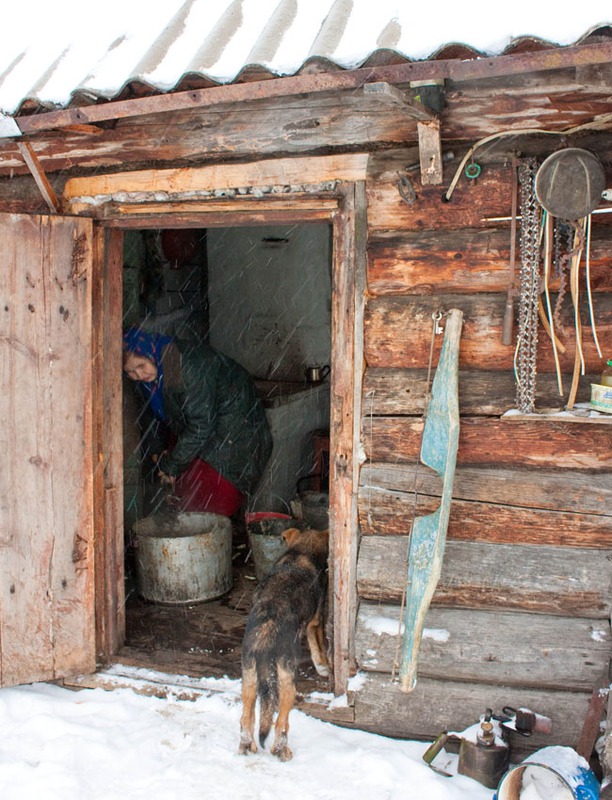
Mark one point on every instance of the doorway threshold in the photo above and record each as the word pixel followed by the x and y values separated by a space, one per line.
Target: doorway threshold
pixel 314 700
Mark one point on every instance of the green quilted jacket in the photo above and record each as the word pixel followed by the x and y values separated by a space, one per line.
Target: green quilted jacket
pixel 213 410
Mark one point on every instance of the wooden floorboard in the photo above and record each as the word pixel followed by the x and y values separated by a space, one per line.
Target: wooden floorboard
pixel 200 639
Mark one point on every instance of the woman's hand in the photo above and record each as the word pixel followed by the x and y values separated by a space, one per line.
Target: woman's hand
pixel 165 479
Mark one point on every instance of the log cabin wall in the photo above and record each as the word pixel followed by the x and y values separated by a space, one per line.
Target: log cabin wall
pixel 521 614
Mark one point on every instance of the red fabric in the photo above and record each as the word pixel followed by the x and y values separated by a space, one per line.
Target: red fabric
pixel 201 488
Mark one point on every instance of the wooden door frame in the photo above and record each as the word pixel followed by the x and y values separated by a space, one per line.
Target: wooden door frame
pixel 347 217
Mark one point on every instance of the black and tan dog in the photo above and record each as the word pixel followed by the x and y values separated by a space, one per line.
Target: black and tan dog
pixel 289 601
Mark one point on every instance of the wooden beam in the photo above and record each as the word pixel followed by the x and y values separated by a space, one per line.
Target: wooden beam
pixel 390 95
pixel 554 58
pixel 271 172
pixel 348 280
pixel 29 156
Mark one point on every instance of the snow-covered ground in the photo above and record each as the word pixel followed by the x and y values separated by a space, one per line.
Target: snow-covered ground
pixel 93 744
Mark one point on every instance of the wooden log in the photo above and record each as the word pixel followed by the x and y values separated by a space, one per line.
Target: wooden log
pixel 498 647
pixel 440 705
pixel 552 443
pixel 471 203
pixel 384 512
pixel 471 260
pixel 398 333
pixel 567 490
pixel 393 392
pixel 293 126
pixel 565 581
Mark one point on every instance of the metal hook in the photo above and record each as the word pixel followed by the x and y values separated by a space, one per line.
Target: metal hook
pixel 406 189
pixel 437 316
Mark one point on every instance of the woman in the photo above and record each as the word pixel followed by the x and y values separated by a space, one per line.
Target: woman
pixel 203 424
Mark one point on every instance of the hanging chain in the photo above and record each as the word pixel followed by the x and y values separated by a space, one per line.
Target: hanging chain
pixel 529 282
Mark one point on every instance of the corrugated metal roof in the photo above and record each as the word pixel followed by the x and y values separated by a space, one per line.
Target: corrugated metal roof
pixel 56 53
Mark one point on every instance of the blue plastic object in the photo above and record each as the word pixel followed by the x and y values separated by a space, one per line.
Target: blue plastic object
pixel 564 763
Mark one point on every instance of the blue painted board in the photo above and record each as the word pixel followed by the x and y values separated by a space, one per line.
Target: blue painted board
pixel 428 535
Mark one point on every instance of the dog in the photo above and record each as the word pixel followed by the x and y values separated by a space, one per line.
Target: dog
pixel 289 601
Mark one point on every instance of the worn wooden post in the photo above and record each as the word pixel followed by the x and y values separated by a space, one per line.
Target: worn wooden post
pixel 428 536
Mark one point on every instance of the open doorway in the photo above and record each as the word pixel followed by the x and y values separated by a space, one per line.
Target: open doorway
pixel 262 296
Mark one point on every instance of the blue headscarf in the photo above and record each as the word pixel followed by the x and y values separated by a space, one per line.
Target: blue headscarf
pixel 149 345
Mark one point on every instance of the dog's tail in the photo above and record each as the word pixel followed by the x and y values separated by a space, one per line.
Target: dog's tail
pixel 267 688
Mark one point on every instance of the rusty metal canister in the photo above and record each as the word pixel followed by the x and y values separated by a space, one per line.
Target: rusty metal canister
pixel 486 759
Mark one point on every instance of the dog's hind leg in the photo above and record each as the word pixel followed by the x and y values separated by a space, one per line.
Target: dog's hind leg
pixel 247 721
pixel 316 644
pixel 286 699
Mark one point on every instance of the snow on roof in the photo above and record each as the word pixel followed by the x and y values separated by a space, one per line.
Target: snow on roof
pixel 54 51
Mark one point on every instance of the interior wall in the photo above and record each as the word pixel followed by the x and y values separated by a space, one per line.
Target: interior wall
pixel 269 297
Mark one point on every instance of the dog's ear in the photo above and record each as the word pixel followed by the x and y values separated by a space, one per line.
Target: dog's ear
pixel 290 535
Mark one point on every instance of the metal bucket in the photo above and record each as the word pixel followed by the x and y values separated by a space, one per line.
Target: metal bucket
pixel 556 771
pixel 265 532
pixel 183 558
pixel 315 509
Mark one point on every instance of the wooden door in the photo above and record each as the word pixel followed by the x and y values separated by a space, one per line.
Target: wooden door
pixel 46 522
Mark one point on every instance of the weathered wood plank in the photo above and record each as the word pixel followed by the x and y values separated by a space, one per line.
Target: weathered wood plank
pixel 564 581
pixel 545 489
pixel 293 126
pixel 551 443
pixel 295 204
pixel 398 333
pixel 448 261
pixel 436 706
pixel 213 218
pixel 348 279
pixel 46 587
pixel 108 443
pixel 273 172
pixel 393 392
pixel 384 512
pixel 509 649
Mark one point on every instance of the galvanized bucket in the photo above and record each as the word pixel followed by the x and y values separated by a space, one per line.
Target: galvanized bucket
pixel 265 532
pixel 315 509
pixel 183 558
pixel 555 771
